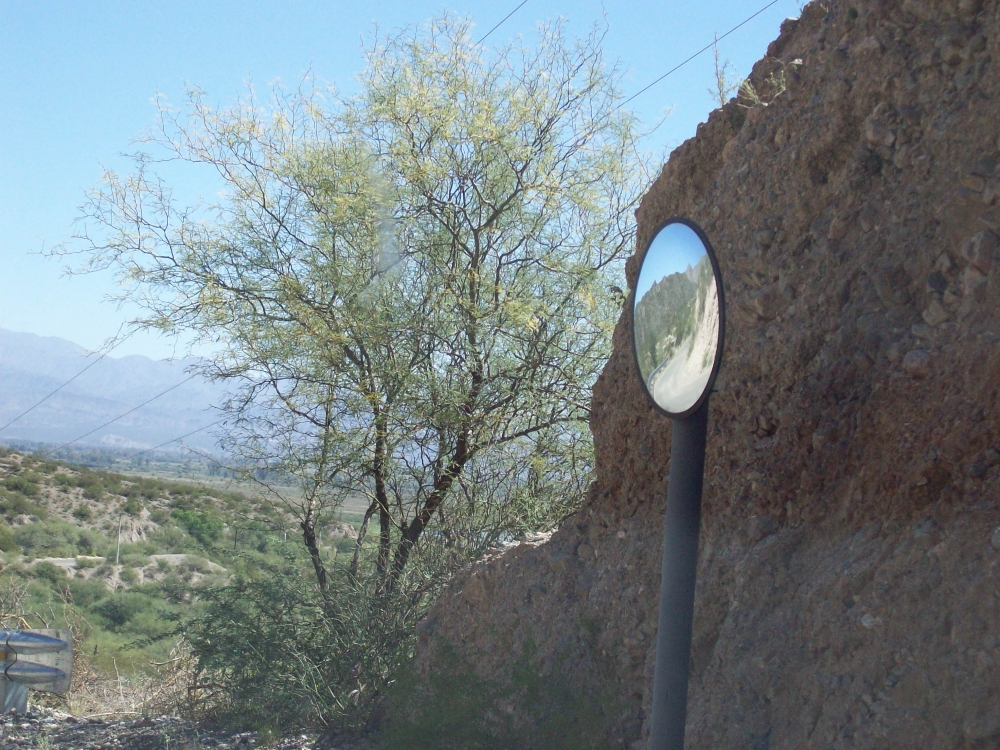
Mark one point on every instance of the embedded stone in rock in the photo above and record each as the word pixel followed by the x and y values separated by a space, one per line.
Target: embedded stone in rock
pixel 973 182
pixel 981 249
pixel 973 281
pixel 935 314
pixel 917 363
pixel 767 303
pixel 936 282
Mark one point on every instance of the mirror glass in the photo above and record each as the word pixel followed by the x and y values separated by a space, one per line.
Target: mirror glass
pixel 677 319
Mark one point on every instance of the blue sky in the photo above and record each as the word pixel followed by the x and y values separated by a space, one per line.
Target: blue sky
pixel 673 249
pixel 79 79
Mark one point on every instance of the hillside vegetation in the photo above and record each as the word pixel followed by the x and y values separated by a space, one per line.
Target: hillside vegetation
pixel 128 603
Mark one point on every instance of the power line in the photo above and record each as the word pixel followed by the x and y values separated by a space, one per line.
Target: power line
pixel 53 393
pixel 120 416
pixel 189 434
pixel 505 18
pixel 678 67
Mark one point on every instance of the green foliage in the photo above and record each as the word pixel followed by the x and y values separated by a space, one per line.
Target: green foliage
pixel 668 313
pixel 83 513
pixel 87 592
pixel 21 484
pixel 171 539
pixel 129 575
pixel 89 542
pixel 119 608
pixel 135 560
pixel 444 291
pixel 94 483
pixel 52 539
pixel 129 629
pixel 204 526
pixel 50 572
pixel 7 542
pixel 133 506
pixel 285 653
pixel 423 273
pixel 160 516
pixel 18 505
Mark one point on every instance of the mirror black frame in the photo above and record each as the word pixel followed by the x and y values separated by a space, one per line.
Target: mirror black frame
pixel 717 271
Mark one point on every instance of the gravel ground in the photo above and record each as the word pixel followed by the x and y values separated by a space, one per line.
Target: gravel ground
pixel 47 730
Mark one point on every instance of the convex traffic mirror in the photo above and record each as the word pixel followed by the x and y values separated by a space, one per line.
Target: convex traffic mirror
pixel 678 318
pixel 678 322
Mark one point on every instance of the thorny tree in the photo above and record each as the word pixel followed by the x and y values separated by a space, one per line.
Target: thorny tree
pixel 410 287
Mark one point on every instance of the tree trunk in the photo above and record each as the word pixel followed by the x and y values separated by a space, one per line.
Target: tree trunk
pixel 309 537
pixel 382 498
pixel 356 558
pixel 412 532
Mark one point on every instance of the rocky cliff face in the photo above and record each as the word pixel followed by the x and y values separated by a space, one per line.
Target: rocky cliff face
pixel 849 575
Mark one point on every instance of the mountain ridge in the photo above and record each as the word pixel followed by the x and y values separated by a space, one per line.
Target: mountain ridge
pixel 32 366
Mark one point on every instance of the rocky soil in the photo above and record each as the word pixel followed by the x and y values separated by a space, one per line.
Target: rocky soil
pixel 46 729
pixel 52 729
pixel 849 575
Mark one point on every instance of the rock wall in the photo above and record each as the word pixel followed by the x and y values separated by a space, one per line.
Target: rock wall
pixel 848 577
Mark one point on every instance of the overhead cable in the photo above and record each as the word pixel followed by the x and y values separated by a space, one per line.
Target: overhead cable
pixel 120 416
pixel 504 19
pixel 53 393
pixel 157 447
pixel 703 49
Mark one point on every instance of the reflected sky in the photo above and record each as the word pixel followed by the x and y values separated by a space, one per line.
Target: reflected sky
pixel 674 248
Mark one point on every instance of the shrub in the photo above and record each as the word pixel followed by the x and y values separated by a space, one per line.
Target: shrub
pixel 282 650
pixel 87 592
pixel 7 543
pixel 50 572
pixel 171 538
pixel 83 513
pixel 22 485
pixel 121 607
pixel 175 589
pixel 129 575
pixel 195 564
pixel 135 559
pixel 19 505
pixel 88 542
pixel 160 516
pixel 204 526
pixel 53 538
pixel 133 506
pixel 152 624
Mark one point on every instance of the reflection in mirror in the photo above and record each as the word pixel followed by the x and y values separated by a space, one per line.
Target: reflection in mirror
pixel 676 319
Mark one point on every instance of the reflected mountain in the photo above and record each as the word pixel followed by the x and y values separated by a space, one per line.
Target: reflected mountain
pixel 676 325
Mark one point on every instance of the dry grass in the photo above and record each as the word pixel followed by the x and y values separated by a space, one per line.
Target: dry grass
pixel 160 690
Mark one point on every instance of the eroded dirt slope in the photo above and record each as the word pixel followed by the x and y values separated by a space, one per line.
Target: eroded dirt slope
pixel 848 578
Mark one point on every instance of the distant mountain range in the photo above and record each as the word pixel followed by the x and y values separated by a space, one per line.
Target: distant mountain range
pixel 32 366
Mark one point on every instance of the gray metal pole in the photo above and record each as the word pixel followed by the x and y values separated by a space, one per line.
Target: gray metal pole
pixel 680 559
